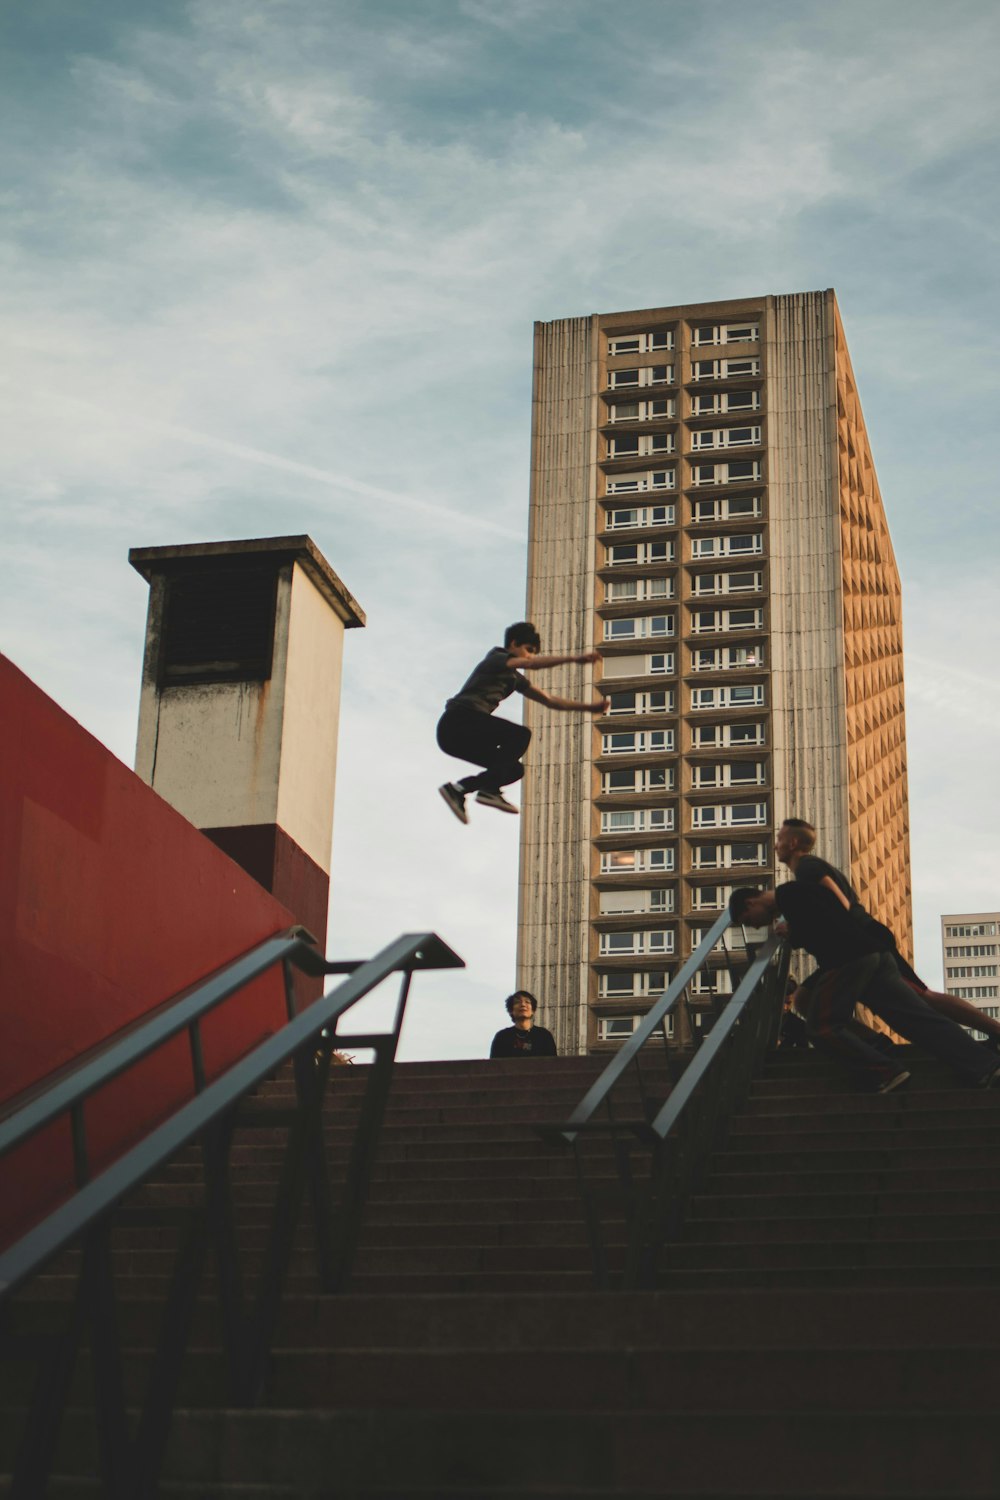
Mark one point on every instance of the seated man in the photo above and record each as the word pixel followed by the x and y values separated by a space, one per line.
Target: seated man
pixel 854 966
pixel 524 1038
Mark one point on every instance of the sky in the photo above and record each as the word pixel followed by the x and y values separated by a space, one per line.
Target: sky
pixel 272 268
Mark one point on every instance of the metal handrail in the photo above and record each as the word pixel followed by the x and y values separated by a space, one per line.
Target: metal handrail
pixel 95 1198
pixel 654 1019
pixel 179 1014
pixel 686 1127
pixel 130 1464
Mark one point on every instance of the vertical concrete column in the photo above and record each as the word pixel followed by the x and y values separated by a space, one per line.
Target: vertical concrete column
pixel 240 703
pixel 809 716
pixel 557 856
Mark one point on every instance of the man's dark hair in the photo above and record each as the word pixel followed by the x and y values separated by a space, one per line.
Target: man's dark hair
pixel 805 832
pixel 522 634
pixel 518 995
pixel 740 900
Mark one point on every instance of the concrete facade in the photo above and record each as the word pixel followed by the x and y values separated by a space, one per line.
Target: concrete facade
pixel 704 512
pixel 970 958
pixel 240 703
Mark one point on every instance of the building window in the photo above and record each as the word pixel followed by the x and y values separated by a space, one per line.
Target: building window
pixel 638 820
pixel 641 343
pixel 639 742
pixel 636 861
pixel 728 508
pixel 642 411
pixel 729 855
pixel 737 545
pixel 614 943
pixel 642 376
pixel 724 369
pixel 628 902
pixel 739 695
pixel 637 445
pixel 712 621
pixel 640 552
pixel 634 484
pixel 710 897
pixel 727 583
pixel 653 515
pixel 619 590
pixel 657 664
pixel 619 1028
pixel 725 333
pixel 713 736
pixel 637 629
pixel 972 929
pixel 661 702
pixel 718 403
pixel 634 779
pixel 621 984
pixel 729 773
pixel 725 437
pixel 736 471
pixel 726 658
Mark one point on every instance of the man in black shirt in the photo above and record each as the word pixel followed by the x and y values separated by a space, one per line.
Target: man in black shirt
pixel 794 845
pixel 468 730
pixel 855 966
pixel 524 1038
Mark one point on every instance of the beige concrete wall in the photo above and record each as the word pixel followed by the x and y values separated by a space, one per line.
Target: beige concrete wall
pixel 213 750
pixel 808 710
pixel 308 774
pixel 554 894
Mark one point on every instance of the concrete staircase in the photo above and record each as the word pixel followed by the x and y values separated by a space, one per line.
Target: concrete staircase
pixel 828 1327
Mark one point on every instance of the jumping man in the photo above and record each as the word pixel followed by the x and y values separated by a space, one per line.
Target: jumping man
pixel 468 730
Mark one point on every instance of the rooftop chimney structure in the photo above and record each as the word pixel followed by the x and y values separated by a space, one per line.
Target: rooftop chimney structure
pixel 240 703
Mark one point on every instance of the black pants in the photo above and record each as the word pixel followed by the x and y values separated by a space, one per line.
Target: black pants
pixel 876 982
pixel 486 741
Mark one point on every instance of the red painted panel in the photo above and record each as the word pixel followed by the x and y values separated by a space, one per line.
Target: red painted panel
pixel 110 902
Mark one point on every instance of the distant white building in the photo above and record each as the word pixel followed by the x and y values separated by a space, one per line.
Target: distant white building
pixel 970 954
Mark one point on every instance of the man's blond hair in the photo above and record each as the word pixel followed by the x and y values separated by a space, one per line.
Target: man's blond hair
pixel 805 833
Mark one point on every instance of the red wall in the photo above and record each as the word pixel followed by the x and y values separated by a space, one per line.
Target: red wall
pixel 110 902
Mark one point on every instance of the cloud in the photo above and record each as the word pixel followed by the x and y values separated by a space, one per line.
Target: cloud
pixel 273 268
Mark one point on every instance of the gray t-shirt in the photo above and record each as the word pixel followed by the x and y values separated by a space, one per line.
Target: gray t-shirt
pixel 489 683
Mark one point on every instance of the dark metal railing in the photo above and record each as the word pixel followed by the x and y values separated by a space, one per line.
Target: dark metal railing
pixel 130 1459
pixel 679 1135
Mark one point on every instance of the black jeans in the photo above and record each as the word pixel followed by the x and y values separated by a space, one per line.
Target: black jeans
pixel 876 982
pixel 486 741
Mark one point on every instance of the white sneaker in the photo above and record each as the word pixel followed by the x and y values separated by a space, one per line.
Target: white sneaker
pixel 895 1082
pixel 496 799
pixel 455 798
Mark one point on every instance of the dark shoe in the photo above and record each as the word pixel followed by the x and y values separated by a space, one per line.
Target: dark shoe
pixel 455 798
pixel 895 1082
pixel 496 799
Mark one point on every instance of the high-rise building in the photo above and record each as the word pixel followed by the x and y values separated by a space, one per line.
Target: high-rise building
pixel 970 953
pixel 705 512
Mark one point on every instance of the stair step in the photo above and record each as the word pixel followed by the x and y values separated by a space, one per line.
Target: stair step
pixel 865 1454
pixel 593 1379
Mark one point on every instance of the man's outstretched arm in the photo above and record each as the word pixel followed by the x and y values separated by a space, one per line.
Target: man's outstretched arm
pixel 533 663
pixel 570 705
